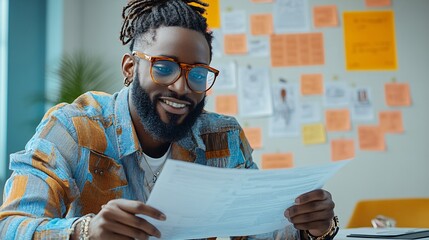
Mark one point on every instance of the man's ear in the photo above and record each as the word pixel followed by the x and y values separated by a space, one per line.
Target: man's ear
pixel 128 66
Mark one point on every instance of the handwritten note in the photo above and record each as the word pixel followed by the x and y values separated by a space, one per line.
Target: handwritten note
pixel 342 149
pixel 397 94
pixel 337 120
pixel 325 16
pixel 311 84
pixel 277 160
pixel 235 43
pixel 391 121
pixel 313 134
pixel 378 3
pixel 377 52
pixel 303 49
pixel 371 138
pixel 254 136
pixel 261 24
pixel 226 104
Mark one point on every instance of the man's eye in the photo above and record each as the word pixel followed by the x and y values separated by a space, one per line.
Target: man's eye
pixel 162 70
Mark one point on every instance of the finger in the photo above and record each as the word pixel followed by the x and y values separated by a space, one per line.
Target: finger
pixel 323 216
pixel 315 195
pixel 314 206
pixel 312 225
pixel 126 232
pixel 136 207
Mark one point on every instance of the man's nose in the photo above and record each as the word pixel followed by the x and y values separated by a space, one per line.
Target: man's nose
pixel 180 86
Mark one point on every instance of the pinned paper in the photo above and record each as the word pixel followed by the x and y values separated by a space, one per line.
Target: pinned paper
pixel 342 149
pixel 377 52
pixel 371 138
pixel 313 134
pixel 226 104
pixel 212 13
pixel 261 24
pixel 254 136
pixel 277 160
pixel 262 1
pixel 235 43
pixel 303 49
pixel 397 94
pixel 337 120
pixel 291 16
pixel 325 16
pixel 391 121
pixel 378 3
pixel 311 84
pixel 234 22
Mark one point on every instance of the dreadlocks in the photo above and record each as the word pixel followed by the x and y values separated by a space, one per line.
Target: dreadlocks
pixel 142 16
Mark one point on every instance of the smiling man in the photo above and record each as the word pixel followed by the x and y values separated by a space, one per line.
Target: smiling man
pixel 92 164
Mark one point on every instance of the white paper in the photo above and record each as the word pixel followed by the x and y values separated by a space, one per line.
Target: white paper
pixel 362 107
pixel 337 94
pixel 234 22
pixel 310 112
pixel 227 78
pixel 217 43
pixel 254 92
pixel 259 47
pixel 202 202
pixel 291 16
pixel 285 120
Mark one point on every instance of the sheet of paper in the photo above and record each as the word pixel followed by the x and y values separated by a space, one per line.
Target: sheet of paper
pixel 325 16
pixel 313 133
pixel 397 94
pixel 254 92
pixel 234 22
pixel 336 94
pixel 235 43
pixel 391 121
pixel 261 24
pixel 312 84
pixel 342 149
pixel 375 53
pixel 378 3
pixel 337 120
pixel 217 43
pixel 226 104
pixel 277 160
pixel 227 78
pixel 371 138
pixel 254 136
pixel 202 202
pixel 310 112
pixel 285 119
pixel 259 47
pixel 362 106
pixel 291 16
pixel 262 1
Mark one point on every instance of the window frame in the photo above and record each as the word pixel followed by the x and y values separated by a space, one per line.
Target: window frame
pixel 3 86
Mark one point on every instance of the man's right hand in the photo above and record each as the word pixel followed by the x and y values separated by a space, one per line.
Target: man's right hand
pixel 117 220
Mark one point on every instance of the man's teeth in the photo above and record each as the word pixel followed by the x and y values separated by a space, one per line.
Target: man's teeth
pixel 173 104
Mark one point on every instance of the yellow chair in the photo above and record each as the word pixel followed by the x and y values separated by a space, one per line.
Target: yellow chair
pixel 407 212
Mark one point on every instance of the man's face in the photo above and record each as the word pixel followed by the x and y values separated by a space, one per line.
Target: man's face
pixel 168 112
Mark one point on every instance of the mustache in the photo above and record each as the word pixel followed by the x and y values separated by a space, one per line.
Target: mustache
pixel 176 96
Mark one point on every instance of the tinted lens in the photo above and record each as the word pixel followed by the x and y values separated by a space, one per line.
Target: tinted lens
pixel 165 72
pixel 200 78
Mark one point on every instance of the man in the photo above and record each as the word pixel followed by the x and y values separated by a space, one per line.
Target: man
pixel 91 165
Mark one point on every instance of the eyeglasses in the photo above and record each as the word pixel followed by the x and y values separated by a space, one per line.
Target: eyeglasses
pixel 166 71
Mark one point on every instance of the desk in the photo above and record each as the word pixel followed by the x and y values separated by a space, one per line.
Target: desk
pixel 342 234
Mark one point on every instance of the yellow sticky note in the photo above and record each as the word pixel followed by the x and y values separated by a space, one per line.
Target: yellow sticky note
pixel 226 104
pixel 371 138
pixel 254 136
pixel 377 52
pixel 212 13
pixel 235 43
pixel 277 160
pixel 397 94
pixel 342 149
pixel 311 84
pixel 337 120
pixel 378 3
pixel 261 24
pixel 325 16
pixel 391 121
pixel 313 134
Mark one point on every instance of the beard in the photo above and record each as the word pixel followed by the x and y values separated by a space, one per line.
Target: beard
pixel 152 123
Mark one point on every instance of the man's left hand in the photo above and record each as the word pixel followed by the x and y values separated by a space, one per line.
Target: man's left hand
pixel 313 211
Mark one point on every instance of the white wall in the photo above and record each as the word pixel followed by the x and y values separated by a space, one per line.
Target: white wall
pixel 401 171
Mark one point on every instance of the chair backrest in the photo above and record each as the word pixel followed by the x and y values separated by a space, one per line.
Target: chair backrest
pixel 407 212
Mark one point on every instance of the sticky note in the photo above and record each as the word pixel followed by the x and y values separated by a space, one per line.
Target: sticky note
pixel 226 104
pixel 397 94
pixel 311 84
pixel 378 3
pixel 254 136
pixel 342 149
pixel 261 24
pixel 377 52
pixel 391 121
pixel 371 138
pixel 337 120
pixel 235 43
pixel 313 134
pixel 325 16
pixel 277 160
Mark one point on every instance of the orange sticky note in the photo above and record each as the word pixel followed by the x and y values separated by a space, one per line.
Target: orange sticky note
pixel 254 136
pixel 261 24
pixel 277 160
pixel 391 121
pixel 371 138
pixel 226 104
pixel 235 43
pixel 288 50
pixel 377 52
pixel 342 149
pixel 325 16
pixel 378 3
pixel 311 84
pixel 337 120
pixel 397 94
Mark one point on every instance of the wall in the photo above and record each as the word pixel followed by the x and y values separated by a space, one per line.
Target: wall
pixel 401 171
